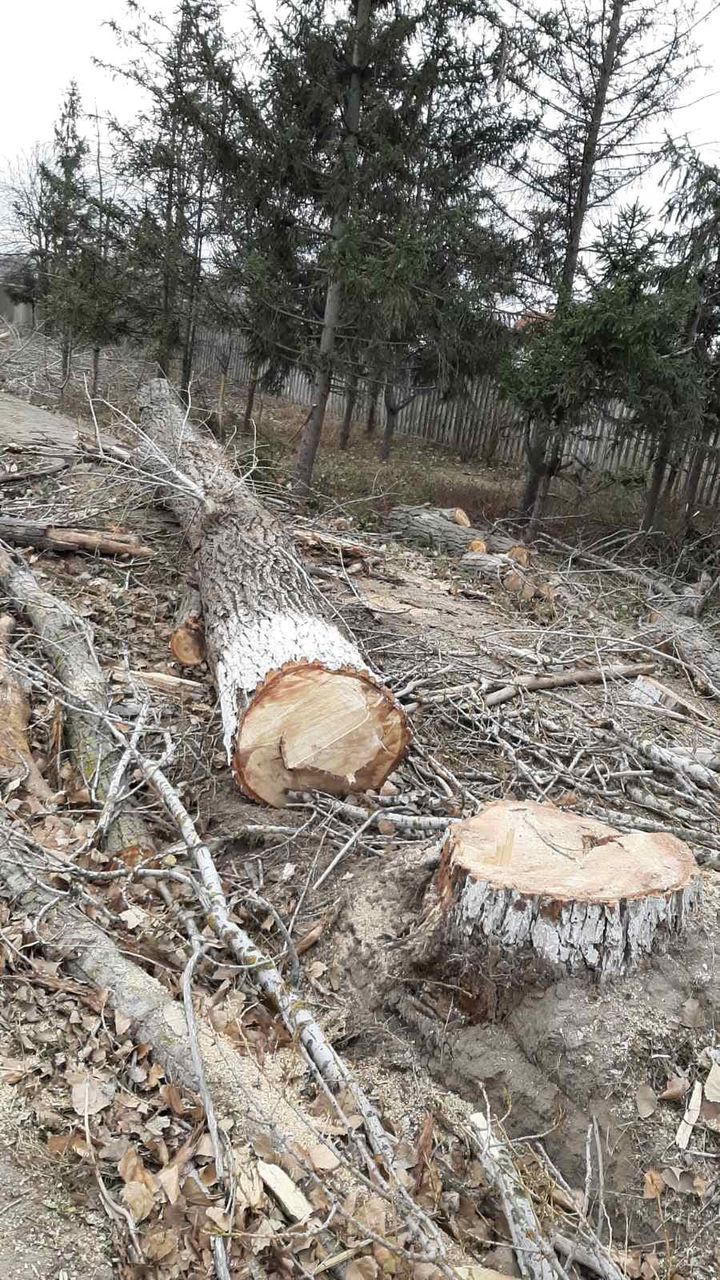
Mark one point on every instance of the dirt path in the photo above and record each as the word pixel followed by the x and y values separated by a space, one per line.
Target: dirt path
pixel 48 1232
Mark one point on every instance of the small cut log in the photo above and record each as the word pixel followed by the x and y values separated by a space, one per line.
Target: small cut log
pixel 187 642
pixel 300 707
pixel 450 531
pixel 563 891
pixel 51 537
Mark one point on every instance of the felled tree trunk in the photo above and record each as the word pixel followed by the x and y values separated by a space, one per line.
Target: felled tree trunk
pixel 446 530
pixel 51 537
pixel 67 641
pixel 545 891
pixel 300 708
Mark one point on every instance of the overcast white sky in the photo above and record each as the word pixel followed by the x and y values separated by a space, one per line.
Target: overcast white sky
pixel 47 43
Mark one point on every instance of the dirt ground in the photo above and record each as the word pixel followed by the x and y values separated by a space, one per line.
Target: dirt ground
pixel 50 1230
pixel 565 1064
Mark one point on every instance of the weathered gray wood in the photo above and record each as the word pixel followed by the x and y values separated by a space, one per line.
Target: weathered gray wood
pixel 51 537
pixel 435 528
pixel 68 644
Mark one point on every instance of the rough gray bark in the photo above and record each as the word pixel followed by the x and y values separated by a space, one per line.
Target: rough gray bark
pixel 299 707
pixel 346 424
pixel 436 529
pixel 50 537
pixel 67 641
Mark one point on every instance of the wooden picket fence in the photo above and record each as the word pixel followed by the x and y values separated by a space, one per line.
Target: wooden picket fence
pixel 482 424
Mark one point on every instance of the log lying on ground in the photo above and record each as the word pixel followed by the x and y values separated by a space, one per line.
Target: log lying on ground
pixel 510 572
pixel 51 537
pixel 241 1092
pixel 187 642
pixel 67 641
pixel 693 644
pixel 442 530
pixel 300 708
pixel 16 759
pixel 534 883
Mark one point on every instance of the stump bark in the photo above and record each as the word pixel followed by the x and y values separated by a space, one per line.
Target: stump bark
pixel 566 892
pixel 300 707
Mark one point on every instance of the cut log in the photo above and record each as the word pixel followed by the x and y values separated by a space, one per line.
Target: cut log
pixel 509 570
pixel 16 760
pixel 441 531
pixel 187 642
pixel 300 708
pixel 556 892
pixel 50 537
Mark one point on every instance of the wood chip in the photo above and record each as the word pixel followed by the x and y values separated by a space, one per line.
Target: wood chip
pixel 690 1119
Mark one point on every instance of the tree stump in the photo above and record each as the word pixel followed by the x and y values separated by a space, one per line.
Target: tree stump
pixel 530 882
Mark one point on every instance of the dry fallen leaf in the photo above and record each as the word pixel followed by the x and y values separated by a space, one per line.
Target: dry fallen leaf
pixel 675 1089
pixel 322 1158
pixel 654 1184
pixel 712 1084
pixel 159 1244
pixel 677 1179
pixel 219 1217
pixel 362 1269
pixel 139 1200
pixel 646 1101
pixel 630 1262
pixel 310 937
pixel 169 1179
pixel 90 1096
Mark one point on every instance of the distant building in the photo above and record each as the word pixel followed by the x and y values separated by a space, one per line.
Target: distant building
pixel 17 291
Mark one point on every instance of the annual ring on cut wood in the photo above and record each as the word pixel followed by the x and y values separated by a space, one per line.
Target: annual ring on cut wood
pixel 311 728
pixel 580 895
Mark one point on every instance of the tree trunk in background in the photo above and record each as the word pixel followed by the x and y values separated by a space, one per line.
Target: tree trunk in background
pixel 589 156
pixel 692 485
pixel 66 356
pixel 299 707
pixel 371 421
pixel 250 401
pixel 95 371
pixel 391 417
pixel 346 424
pixel 535 445
pixel 310 439
pixel 657 475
